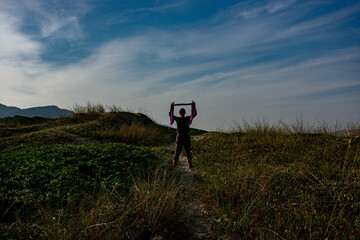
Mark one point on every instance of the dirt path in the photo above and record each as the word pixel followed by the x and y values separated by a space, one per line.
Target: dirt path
pixel 196 219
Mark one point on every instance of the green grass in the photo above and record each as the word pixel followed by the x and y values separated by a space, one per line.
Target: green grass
pixel 82 177
pixel 89 176
pixel 57 173
pixel 125 127
pixel 266 183
pixel 20 120
pixel 111 191
pixel 131 128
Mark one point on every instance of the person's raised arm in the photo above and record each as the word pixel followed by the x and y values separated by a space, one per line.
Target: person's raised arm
pixel 171 113
pixel 193 112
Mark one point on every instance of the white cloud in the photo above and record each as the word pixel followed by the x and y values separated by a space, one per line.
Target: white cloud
pixel 164 7
pixel 55 19
pixel 215 65
pixel 68 28
pixel 13 44
pixel 253 9
pixel 325 21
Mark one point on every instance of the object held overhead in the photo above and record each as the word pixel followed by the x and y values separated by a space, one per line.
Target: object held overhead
pixel 182 104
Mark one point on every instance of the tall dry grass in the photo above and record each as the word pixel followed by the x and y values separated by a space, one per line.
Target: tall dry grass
pixel 112 124
pixel 134 133
pixel 280 182
pixel 89 108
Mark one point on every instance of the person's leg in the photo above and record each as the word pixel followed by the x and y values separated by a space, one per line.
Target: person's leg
pixel 187 146
pixel 178 149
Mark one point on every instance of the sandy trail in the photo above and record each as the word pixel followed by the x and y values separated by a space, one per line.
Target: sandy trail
pixel 196 218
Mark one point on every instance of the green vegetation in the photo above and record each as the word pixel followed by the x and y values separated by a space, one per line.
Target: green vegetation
pixel 269 183
pixel 88 191
pixel 80 128
pixel 125 127
pixel 103 174
pixel 20 120
pixel 57 173
pixel 82 177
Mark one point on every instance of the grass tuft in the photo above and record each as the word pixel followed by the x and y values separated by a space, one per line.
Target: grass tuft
pixel 89 108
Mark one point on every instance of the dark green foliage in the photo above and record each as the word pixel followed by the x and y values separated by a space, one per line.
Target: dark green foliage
pixel 57 173
pixel 17 125
pixel 95 191
pixel 21 120
pixel 69 179
pixel 36 138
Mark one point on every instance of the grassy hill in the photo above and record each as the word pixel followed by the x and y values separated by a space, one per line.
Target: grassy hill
pixel 136 129
pixel 91 175
pixel 105 175
pixel 269 183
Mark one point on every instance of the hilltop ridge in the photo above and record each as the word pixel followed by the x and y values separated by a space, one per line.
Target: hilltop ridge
pixel 112 170
pixel 50 111
pixel 130 128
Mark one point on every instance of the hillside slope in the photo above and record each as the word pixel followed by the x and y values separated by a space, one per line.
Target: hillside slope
pixel 86 172
pixel 271 184
pixel 125 127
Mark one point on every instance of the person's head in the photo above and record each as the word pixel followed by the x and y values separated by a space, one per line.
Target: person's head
pixel 182 112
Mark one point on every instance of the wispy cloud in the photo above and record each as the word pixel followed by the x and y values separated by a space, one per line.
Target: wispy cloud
pixel 55 19
pixel 164 7
pixel 252 9
pixel 14 45
pixel 270 8
pixel 249 61
pixel 326 21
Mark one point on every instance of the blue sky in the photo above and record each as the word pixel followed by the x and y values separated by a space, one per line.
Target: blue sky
pixel 274 60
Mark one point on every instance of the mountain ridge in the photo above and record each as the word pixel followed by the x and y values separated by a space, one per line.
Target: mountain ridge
pixel 50 111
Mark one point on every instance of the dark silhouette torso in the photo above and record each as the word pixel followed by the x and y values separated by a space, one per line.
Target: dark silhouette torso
pixel 182 125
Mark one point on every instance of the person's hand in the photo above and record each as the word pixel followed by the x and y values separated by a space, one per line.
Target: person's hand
pixel 193 103
pixel 172 104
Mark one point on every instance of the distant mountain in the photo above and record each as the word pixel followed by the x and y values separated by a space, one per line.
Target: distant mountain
pixel 6 111
pixel 44 111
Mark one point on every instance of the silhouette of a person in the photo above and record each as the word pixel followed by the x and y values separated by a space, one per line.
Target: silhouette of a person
pixel 183 132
